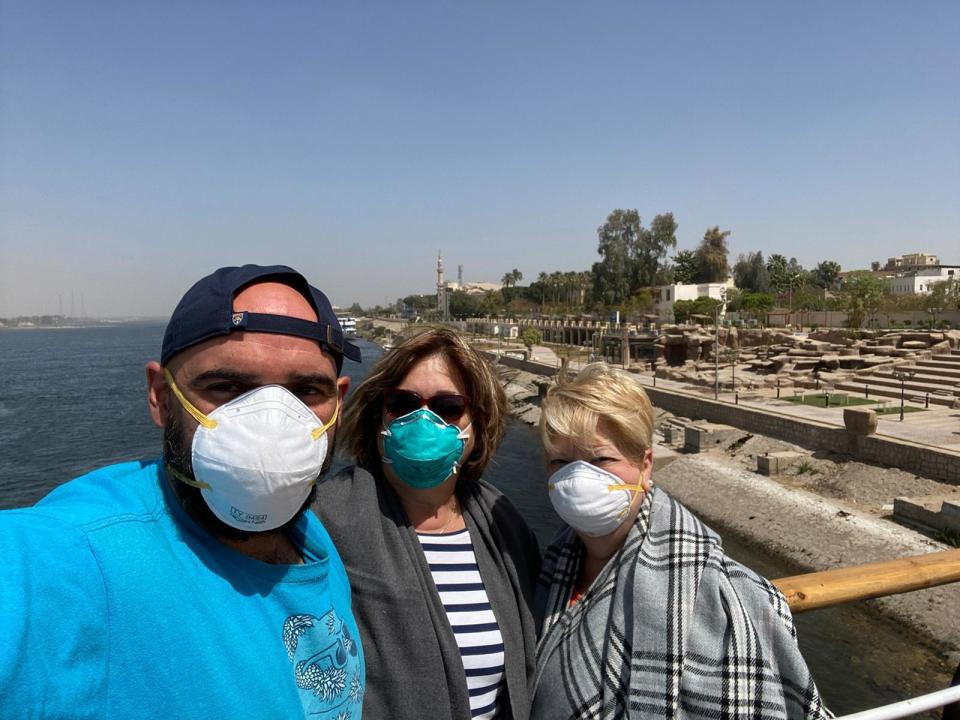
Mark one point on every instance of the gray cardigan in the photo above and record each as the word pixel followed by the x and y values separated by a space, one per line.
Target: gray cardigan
pixel 412 660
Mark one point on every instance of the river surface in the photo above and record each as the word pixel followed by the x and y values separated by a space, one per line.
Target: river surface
pixel 74 399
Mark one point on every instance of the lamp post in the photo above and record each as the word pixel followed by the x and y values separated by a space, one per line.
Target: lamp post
pixel 733 370
pixel 653 365
pixel 716 343
pixel 903 376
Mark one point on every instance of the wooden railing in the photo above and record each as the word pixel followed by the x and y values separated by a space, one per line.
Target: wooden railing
pixel 862 582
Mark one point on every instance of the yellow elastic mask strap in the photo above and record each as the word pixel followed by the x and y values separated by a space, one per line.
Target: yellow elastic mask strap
pixel 631 488
pixel 206 422
pixel 316 434
pixel 184 479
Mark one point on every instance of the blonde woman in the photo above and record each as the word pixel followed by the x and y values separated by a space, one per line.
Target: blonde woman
pixel 641 613
pixel 441 566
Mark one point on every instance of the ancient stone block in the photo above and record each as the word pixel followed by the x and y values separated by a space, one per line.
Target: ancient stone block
pixel 776 463
pixel 940 512
pixel 860 421
pixel 707 436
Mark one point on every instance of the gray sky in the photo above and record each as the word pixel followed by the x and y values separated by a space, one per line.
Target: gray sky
pixel 143 145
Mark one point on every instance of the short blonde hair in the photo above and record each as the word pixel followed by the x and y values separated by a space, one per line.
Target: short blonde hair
pixel 573 409
pixel 363 416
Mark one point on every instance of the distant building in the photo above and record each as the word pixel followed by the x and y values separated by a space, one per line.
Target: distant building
pixel 664 296
pixel 912 261
pixel 918 281
pixel 472 288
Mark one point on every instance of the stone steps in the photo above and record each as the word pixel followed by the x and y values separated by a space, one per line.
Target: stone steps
pixel 914 384
pixel 945 382
pixel 938 371
pixel 856 388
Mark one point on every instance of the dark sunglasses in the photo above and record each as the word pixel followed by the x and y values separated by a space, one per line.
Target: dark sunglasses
pixel 448 406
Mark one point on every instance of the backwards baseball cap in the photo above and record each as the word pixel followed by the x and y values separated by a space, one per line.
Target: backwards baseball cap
pixel 206 311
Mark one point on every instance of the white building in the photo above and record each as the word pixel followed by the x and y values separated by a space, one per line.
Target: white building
pixel 918 282
pixel 664 296
pixel 472 288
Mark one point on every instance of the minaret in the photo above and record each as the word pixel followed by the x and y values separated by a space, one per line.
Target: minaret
pixel 441 288
pixel 460 276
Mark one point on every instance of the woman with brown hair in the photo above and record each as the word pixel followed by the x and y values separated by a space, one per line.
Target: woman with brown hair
pixel 442 567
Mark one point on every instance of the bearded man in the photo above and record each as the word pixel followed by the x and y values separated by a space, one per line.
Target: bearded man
pixel 195 584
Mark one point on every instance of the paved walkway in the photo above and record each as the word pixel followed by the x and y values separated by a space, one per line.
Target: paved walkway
pixel 938 426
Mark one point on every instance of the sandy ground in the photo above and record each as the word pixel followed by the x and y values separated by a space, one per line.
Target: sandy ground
pixel 828 512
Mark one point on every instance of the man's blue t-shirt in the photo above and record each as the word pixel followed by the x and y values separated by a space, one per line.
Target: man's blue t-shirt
pixel 115 604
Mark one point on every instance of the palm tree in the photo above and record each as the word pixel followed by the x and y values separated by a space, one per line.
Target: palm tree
pixel 544 280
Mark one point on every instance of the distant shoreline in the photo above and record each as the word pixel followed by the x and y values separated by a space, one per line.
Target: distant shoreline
pixel 92 324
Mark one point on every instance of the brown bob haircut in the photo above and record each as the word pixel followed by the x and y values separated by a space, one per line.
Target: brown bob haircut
pixel 363 415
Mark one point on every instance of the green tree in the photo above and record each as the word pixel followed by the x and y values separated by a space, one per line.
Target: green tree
pixel 825 274
pixel 631 255
pixel 712 256
pixel 651 249
pixel 639 303
pixel 492 303
pixel 615 238
pixel 530 337
pixel 777 269
pixel 704 307
pixel 862 296
pixel 756 305
pixel 463 305
pixel 944 295
pixel 750 273
pixel 421 303
pixel 685 267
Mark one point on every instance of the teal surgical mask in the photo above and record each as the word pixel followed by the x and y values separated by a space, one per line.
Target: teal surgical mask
pixel 422 449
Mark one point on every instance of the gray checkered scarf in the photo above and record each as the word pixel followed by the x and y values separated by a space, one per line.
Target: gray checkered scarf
pixel 671 628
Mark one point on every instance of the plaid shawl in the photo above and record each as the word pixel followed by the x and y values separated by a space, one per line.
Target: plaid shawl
pixel 671 628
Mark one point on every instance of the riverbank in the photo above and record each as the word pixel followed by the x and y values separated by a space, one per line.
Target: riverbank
pixel 830 514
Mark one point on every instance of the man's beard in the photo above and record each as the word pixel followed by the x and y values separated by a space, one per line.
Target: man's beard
pixel 177 455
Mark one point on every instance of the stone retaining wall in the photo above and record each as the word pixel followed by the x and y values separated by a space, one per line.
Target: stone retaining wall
pixel 526 365
pixel 925 460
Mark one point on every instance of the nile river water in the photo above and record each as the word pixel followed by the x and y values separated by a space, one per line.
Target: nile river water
pixel 75 399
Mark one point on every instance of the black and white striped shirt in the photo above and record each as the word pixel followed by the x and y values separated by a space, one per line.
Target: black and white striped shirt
pixel 453 566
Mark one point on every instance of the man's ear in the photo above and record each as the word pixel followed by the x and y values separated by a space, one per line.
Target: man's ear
pixel 158 394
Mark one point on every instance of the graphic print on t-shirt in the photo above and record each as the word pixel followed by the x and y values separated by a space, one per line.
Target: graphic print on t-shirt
pixel 326 665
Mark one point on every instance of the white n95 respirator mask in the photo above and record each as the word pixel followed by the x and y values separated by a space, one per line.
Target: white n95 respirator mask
pixel 256 458
pixel 590 500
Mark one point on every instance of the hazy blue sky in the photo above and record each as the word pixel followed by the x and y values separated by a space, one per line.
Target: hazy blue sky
pixel 145 144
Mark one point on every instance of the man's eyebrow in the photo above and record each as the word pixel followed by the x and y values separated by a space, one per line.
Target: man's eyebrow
pixel 325 381
pixel 224 374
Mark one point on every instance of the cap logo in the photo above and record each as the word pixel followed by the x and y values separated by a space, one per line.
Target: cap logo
pixel 237 319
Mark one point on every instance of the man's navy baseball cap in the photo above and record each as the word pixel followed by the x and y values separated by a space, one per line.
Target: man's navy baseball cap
pixel 206 311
